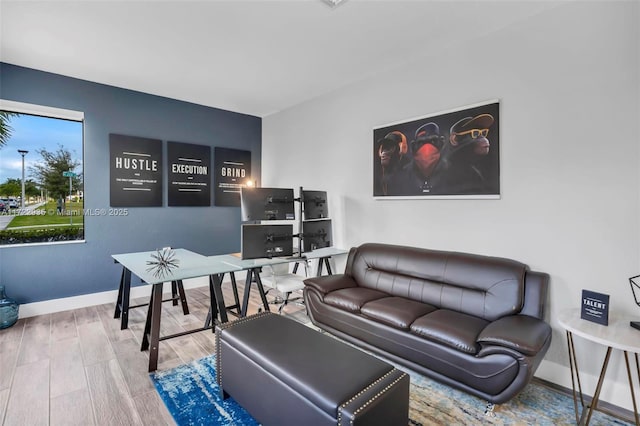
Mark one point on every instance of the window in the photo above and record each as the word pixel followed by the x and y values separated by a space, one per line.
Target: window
pixel 41 174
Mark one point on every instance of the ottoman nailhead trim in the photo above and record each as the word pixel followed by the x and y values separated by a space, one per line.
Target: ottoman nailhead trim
pixel 389 386
pixel 243 320
pixel 371 399
pixel 218 353
pixel 225 326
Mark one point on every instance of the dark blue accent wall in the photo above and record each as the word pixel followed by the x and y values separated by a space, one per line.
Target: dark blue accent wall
pixel 37 273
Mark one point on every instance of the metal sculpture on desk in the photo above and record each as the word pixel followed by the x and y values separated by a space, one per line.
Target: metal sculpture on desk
pixel 164 262
pixel 634 285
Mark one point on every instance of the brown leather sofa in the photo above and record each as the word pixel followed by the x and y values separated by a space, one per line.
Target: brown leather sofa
pixel 472 322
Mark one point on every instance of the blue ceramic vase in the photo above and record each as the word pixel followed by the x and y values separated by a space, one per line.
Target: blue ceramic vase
pixel 8 310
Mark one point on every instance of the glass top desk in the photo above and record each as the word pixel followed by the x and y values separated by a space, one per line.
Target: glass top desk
pixel 324 254
pixel 137 262
pixel 253 266
pixel 190 265
pixel 193 265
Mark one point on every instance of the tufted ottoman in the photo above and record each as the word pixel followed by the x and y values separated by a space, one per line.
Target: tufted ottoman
pixel 284 373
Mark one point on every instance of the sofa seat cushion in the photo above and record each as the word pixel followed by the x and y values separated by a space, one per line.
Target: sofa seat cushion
pixel 397 312
pixel 454 329
pixel 352 299
pixel 522 333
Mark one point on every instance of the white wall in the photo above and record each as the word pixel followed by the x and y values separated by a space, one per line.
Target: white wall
pixel 568 83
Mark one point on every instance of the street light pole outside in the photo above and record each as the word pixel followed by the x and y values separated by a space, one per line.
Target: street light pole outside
pixel 23 153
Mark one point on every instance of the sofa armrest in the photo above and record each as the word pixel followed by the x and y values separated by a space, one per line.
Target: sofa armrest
pixel 522 333
pixel 536 285
pixel 328 283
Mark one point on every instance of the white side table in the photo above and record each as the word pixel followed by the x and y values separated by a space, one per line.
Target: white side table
pixel 617 335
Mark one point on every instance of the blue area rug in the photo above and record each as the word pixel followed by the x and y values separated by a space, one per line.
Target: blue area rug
pixel 191 394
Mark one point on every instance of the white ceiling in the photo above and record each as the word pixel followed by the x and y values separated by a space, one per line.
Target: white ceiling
pixel 254 57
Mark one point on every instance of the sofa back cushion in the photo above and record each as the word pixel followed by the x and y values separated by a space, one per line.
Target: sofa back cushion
pixel 483 286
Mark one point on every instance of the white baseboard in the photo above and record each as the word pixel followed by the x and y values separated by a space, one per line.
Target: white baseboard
pixel 614 392
pixel 76 302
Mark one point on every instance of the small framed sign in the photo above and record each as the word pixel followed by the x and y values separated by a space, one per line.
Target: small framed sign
pixel 595 307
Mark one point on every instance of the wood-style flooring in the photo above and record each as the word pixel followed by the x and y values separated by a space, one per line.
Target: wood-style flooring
pixel 78 368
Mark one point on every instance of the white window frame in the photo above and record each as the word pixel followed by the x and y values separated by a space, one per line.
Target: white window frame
pixel 51 112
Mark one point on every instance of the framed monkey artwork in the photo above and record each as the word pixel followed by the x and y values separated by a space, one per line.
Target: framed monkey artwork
pixel 450 154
